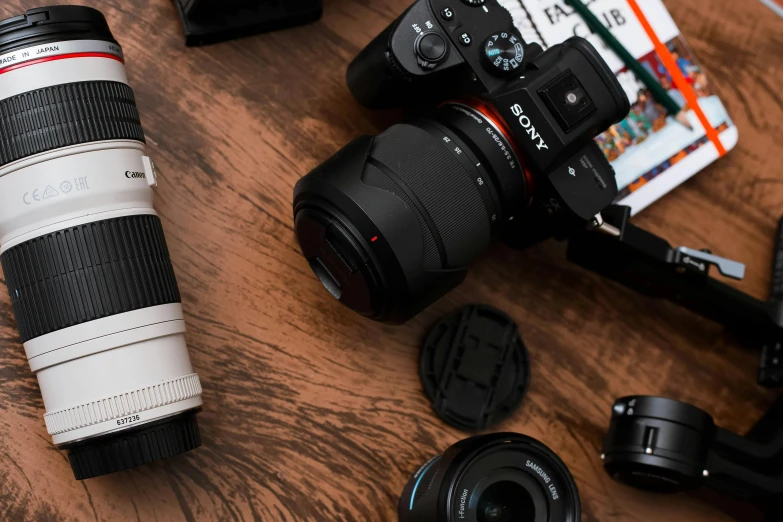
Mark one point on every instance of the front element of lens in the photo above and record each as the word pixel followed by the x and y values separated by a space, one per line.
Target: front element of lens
pixel 503 477
pixel 390 224
pixel 505 501
pixel 83 253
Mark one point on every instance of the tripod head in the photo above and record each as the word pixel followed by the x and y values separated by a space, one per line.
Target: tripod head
pixel 663 445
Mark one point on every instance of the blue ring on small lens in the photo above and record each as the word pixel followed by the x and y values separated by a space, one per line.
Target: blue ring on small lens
pixel 418 481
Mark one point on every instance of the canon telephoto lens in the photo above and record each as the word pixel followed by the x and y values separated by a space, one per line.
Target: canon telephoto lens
pixel 502 477
pixel 82 249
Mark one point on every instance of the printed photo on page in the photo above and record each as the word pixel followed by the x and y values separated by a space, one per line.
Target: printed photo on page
pixel 650 151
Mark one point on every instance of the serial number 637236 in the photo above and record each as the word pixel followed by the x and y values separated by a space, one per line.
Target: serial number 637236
pixel 127 420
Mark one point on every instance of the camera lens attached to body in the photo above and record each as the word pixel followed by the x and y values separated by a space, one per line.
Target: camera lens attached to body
pixel 83 252
pixel 502 477
pixel 390 223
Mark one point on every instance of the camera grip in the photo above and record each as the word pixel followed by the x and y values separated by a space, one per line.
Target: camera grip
pixel 374 77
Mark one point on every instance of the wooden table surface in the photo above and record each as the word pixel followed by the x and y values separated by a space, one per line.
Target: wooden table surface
pixel 312 413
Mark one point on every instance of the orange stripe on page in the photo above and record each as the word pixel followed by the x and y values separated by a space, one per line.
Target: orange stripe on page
pixel 679 80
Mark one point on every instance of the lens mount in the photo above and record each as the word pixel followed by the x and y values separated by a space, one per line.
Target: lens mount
pixel 134 447
pixel 502 477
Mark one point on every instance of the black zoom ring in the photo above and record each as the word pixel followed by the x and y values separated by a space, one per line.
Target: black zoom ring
pixel 65 115
pixel 87 272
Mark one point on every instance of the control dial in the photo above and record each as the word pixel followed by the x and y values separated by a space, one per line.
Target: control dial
pixel 431 49
pixel 474 2
pixel 503 53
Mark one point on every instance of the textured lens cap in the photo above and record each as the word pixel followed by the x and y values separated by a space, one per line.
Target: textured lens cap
pixel 475 368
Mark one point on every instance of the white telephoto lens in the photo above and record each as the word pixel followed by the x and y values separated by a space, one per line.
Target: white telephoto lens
pixel 82 249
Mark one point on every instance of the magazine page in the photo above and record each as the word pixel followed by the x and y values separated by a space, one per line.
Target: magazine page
pixel 650 151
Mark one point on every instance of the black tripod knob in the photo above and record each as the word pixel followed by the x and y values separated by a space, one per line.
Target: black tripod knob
pixel 658 444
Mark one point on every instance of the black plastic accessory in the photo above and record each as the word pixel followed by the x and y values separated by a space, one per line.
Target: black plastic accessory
pixel 475 368
pixel 502 477
pixel 212 21
pixel 663 445
pixel 134 447
pixel 53 24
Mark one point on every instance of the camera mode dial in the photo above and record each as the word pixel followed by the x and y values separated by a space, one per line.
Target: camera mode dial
pixel 431 49
pixel 474 2
pixel 503 53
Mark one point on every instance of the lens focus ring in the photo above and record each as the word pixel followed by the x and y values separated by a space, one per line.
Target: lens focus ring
pixel 64 115
pixel 86 272
pixel 124 404
pixel 438 188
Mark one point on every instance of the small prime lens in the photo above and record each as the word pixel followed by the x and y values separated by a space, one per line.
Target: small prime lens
pixel 503 477
pixel 82 249
pixel 390 224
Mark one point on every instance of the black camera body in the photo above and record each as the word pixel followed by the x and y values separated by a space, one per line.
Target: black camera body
pixel 432 53
pixel 441 50
pixel 390 223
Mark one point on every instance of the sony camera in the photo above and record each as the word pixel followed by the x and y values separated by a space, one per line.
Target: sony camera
pixel 390 223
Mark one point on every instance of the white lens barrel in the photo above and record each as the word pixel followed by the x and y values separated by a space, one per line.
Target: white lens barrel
pixel 85 260
pixel 77 185
pixel 60 63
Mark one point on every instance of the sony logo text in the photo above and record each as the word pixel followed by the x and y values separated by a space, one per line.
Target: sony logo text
pixel 516 109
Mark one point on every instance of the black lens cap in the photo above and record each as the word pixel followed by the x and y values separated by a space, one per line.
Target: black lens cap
pixel 475 368
pixel 51 24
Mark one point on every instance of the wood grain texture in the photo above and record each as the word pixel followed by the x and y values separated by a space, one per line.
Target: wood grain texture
pixel 313 414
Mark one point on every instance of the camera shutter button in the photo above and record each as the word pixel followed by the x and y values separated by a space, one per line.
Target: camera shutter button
pixel 431 49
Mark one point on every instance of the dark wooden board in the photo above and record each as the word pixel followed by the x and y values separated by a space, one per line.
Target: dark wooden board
pixel 311 413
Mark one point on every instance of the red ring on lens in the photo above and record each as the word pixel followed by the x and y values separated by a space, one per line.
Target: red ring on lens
pixel 492 114
pixel 59 57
